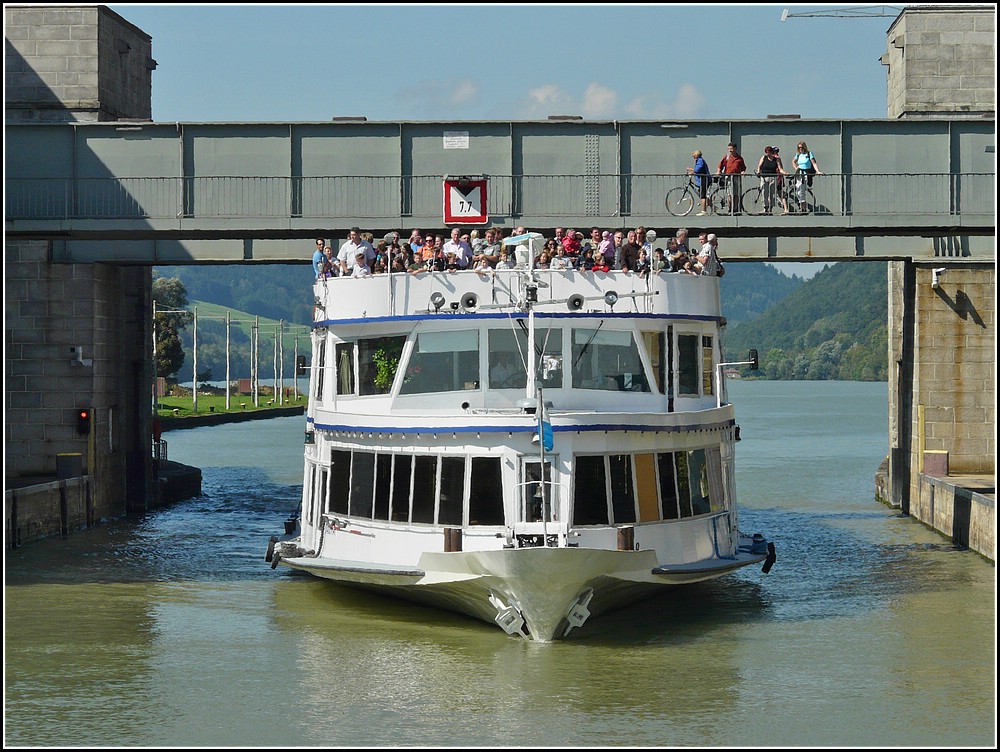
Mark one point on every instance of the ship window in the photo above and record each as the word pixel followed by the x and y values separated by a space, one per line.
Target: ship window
pixel 340 480
pixel 424 488
pixel 716 496
pixel 315 496
pixel 345 368
pixel 654 349
pixel 535 498
pixel 590 494
pixel 402 472
pixel 443 362
pixel 683 486
pixel 622 488
pixel 321 369
pixel 698 480
pixel 607 359
pixel 378 359
pixel 706 365
pixel 486 492
pixel 687 366
pixel 362 484
pixel 507 353
pixel 383 476
pixel 452 490
pixel 668 486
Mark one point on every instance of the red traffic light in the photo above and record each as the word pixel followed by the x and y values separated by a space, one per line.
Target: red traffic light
pixel 83 421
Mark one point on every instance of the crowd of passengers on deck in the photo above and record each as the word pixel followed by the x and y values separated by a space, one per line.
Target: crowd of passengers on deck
pixel 629 251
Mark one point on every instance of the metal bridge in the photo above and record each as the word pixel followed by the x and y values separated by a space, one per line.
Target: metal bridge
pixel 158 193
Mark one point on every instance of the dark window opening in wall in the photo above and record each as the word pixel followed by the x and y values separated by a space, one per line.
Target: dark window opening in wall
pixel 668 488
pixel 401 488
pixel 622 488
pixel 340 480
pixel 424 488
pixel 452 490
pixel 362 484
pixel 590 495
pixel 383 477
pixel 486 492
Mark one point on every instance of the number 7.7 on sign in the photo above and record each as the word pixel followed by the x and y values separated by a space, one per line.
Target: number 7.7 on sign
pixel 465 202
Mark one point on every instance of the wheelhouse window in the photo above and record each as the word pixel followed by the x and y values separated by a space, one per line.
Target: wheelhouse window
pixel 345 367
pixel 321 368
pixel 608 360
pixel 378 360
pixel 687 364
pixel 508 354
pixel 707 370
pixel 442 362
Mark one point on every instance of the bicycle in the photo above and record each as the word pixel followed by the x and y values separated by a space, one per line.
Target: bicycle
pixel 682 199
pixel 787 191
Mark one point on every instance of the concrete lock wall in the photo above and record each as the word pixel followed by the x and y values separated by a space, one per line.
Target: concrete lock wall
pixel 78 337
pixel 942 386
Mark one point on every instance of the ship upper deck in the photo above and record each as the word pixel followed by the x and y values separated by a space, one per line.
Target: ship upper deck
pixel 343 301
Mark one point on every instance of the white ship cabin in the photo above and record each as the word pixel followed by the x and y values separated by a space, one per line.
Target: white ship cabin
pixel 423 412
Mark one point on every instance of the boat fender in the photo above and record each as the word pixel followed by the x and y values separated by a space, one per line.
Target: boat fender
pixel 270 548
pixel 275 560
pixel 772 556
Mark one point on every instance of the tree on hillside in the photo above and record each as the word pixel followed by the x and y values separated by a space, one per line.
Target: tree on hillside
pixel 170 296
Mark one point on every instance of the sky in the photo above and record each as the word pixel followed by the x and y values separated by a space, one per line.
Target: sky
pixel 312 62
pixel 491 61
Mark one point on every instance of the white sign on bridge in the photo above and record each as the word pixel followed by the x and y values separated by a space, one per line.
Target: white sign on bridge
pixel 465 201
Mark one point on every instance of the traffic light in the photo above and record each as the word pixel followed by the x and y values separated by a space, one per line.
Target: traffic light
pixel 83 421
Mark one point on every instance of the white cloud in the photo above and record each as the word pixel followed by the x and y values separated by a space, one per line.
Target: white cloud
pixel 434 96
pixel 599 101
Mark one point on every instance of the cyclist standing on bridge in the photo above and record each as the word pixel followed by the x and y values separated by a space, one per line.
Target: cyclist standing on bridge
pixel 700 172
pixel 769 168
pixel 805 165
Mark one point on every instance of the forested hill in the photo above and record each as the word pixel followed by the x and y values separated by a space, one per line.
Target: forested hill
pixel 750 288
pixel 274 291
pixel 833 327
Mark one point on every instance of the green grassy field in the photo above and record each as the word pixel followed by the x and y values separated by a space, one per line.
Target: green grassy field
pixel 181 407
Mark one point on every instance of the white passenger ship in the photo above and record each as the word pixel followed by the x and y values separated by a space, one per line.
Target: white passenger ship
pixel 529 447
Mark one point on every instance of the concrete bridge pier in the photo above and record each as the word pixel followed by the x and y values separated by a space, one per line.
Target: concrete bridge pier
pixel 77 337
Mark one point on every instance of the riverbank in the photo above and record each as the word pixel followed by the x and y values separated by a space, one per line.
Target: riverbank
pixel 218 419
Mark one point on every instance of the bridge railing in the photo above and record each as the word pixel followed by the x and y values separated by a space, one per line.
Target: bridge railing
pixel 375 197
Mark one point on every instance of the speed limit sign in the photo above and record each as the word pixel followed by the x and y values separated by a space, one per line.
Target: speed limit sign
pixel 465 201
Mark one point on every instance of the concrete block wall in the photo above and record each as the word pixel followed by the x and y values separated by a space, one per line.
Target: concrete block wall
pixel 80 63
pixel 954 384
pixel 968 518
pixel 49 309
pixel 48 510
pixel 942 61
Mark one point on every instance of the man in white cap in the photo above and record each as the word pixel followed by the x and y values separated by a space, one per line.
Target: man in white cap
pixel 708 259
